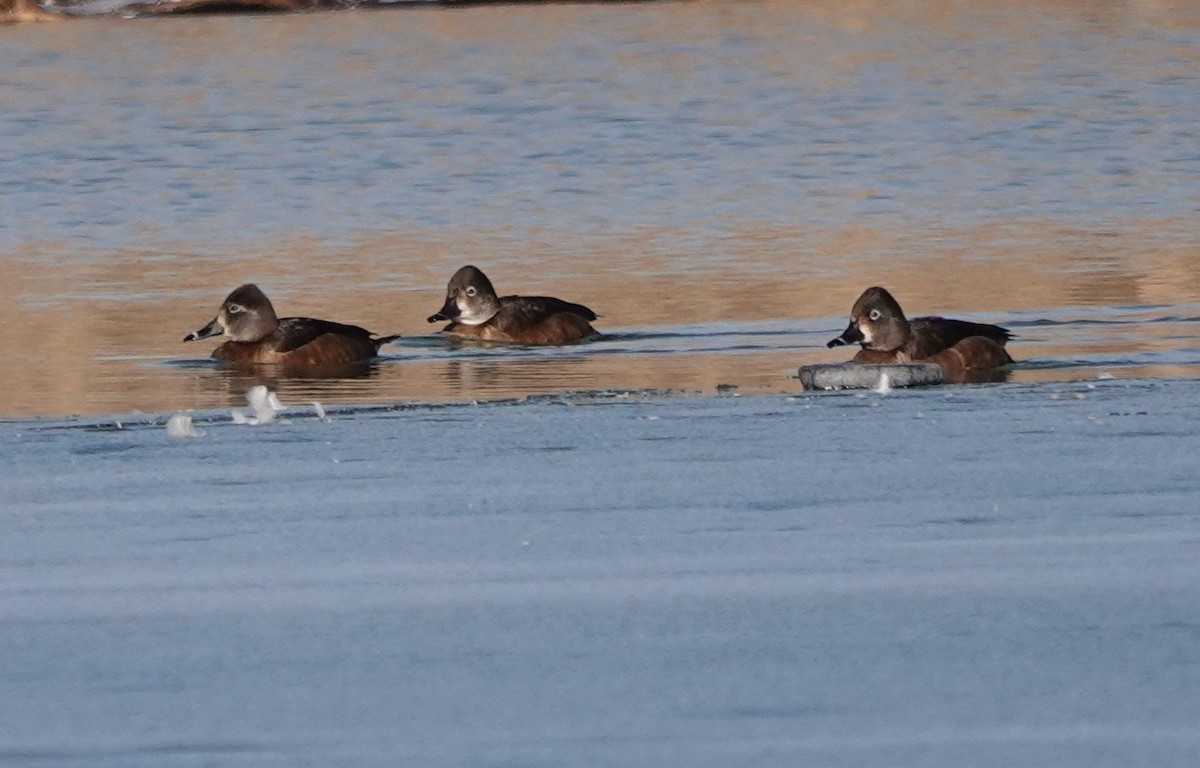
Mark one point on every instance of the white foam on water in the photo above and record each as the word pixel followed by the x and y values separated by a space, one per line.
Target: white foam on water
pixel 180 425
pixel 264 407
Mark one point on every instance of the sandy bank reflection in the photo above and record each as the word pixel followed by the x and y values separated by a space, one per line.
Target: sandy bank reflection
pixel 228 384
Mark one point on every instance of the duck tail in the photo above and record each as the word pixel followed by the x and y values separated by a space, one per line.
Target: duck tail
pixel 379 342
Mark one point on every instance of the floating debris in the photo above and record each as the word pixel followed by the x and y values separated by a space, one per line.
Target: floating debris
pixel 264 406
pixel 870 376
pixel 180 425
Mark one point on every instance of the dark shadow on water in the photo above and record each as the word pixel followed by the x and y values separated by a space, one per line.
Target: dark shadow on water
pixel 462 376
pixel 231 381
pixel 637 342
pixel 436 348
pixel 1124 315
pixel 276 371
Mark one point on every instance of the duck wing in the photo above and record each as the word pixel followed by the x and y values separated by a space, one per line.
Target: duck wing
pixel 932 335
pixel 296 332
pixel 530 310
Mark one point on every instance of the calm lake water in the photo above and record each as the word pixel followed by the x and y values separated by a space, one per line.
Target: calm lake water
pixel 718 180
pixel 983 576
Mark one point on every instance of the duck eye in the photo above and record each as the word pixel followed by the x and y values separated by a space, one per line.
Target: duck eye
pixel 236 309
pixel 874 314
pixel 471 290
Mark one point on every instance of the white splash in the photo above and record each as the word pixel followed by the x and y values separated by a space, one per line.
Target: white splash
pixel 264 405
pixel 885 384
pixel 180 425
pixel 320 409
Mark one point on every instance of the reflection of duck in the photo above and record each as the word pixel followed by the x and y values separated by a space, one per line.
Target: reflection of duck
pixel 300 344
pixel 516 377
pixel 474 310
pixel 230 384
pixel 965 351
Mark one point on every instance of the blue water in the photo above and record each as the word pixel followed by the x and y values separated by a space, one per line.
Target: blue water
pixel 694 172
pixel 206 133
pixel 990 576
pixel 652 549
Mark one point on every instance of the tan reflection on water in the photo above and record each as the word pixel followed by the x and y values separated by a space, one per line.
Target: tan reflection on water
pixel 97 328
pixel 112 344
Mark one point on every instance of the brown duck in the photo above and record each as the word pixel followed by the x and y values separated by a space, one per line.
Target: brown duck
pixel 257 336
pixel 965 351
pixel 474 310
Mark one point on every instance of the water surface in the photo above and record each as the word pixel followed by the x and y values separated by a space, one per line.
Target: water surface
pixel 718 180
pixel 949 576
pixel 996 575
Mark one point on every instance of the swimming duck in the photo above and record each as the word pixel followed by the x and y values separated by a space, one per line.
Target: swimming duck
pixel 960 347
pixel 257 336
pixel 474 310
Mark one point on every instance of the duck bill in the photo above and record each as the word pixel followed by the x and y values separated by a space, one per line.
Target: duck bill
pixel 852 335
pixel 214 328
pixel 449 312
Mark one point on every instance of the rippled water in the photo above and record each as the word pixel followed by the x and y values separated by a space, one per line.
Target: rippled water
pixel 958 576
pixel 718 180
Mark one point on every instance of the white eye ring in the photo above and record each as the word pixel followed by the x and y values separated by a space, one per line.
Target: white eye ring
pixel 235 309
pixel 471 290
pixel 874 314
